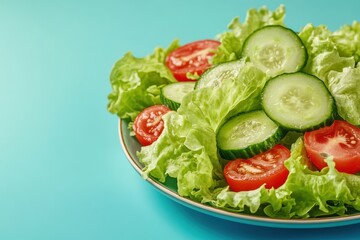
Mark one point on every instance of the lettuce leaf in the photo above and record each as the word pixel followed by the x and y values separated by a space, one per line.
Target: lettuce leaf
pixel 323 55
pixel 186 153
pixel 333 63
pixel 136 82
pixel 213 105
pixel 233 40
pixel 347 40
pixel 345 87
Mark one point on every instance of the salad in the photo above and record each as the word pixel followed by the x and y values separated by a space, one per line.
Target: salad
pixel 261 120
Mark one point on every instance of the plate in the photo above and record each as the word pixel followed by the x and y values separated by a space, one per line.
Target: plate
pixel 131 146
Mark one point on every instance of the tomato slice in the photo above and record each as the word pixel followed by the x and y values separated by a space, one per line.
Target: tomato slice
pixel 193 58
pixel 265 168
pixel 340 140
pixel 148 125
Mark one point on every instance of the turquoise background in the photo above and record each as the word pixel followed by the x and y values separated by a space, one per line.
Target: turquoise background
pixel 63 174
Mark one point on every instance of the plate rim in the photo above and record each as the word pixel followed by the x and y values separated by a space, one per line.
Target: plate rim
pixel 232 216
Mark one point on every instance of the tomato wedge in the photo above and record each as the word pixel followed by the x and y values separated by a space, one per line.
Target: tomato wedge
pixel 148 125
pixel 340 140
pixel 191 58
pixel 265 168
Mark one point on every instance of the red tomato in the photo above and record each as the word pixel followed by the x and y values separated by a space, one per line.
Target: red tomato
pixel 148 125
pixel 267 167
pixel 193 58
pixel 340 140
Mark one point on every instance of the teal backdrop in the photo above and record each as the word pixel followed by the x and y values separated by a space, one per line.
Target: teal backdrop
pixel 63 174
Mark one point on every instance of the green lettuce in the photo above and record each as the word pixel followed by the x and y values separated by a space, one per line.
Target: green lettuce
pixel 233 40
pixel 347 40
pixel 323 55
pixel 136 82
pixel 333 63
pixel 345 87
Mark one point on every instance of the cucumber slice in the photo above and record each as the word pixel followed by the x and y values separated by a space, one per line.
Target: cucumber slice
pixel 248 134
pixel 215 75
pixel 172 94
pixel 298 101
pixel 275 50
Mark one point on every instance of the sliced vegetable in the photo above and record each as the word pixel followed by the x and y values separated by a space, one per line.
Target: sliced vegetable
pixel 265 168
pixel 219 73
pixel 341 141
pixel 298 101
pixel 148 125
pixel 248 134
pixel 232 41
pixel 172 94
pixel 192 58
pixel 275 50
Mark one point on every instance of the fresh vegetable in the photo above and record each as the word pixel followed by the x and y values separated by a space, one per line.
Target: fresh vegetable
pixel 232 41
pixel 265 168
pixel 136 82
pixel 248 134
pixel 172 94
pixel 275 50
pixel 215 75
pixel 192 58
pixel 331 60
pixel 345 87
pixel 344 40
pixel 341 141
pixel 148 125
pixel 187 148
pixel 298 101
